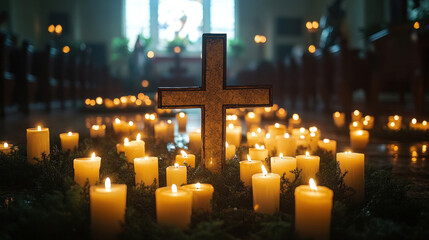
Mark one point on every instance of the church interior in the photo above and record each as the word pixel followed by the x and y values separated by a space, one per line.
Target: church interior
pixel 219 119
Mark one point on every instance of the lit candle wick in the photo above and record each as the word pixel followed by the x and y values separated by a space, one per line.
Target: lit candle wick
pixel 198 185
pixel 39 128
pixel 176 165
pixel 174 188
pixel 184 154
pixel 264 170
pixel 248 158
pixel 107 184
pixel 312 184
pixel 138 138
pixel 5 145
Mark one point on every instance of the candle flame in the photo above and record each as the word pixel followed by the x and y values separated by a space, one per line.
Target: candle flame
pixel 302 130
pixel 392 124
pixel 169 121
pixel 198 185
pixel 281 155
pixel 295 116
pixel 174 188
pixel 313 129
pixel 231 126
pixel 277 125
pixel 396 117
pixel 198 130
pixel 267 109
pixel 107 184
pixel 337 114
pixel 152 116
pixel 326 140
pixel 226 144
pixel 414 121
pixel 313 134
pixel 93 156
pixel 424 123
pixel 264 170
pixel 126 141
pixel 39 128
pixel 95 127
pixel 360 133
pixel 181 114
pixel 307 154
pixel 259 130
pixel 251 115
pixel 147 116
pixel 176 165
pixel 117 120
pixel 267 136
pixel 5 145
pixel 287 135
pixel 365 122
pixel 253 134
pixel 248 158
pixel 312 184
pixel 356 112
pixel 130 123
pixel 70 133
pixel 184 154
pixel 139 136
pixel 302 136
pixel 355 124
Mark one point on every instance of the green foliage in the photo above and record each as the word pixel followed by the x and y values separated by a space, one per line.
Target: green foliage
pixel 44 200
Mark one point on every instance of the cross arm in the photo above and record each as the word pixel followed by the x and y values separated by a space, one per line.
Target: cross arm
pixel 251 96
pixel 180 97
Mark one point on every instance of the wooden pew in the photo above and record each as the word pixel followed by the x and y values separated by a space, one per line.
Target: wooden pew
pixel 398 62
pixel 62 75
pixel 43 68
pixel 292 80
pixel 73 74
pixel 26 84
pixel 324 82
pixel 84 73
pixel 7 78
pixel 307 83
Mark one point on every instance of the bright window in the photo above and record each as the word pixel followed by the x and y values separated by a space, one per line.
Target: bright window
pixel 183 18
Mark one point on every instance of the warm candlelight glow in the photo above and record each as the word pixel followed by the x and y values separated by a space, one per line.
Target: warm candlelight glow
pixel 312 134
pixel 396 117
pixel 311 48
pixel 281 155
pixel 130 123
pixel 424 123
pixel 152 116
pixel 69 133
pixel 174 188
pixel 359 132
pixel 126 141
pixel 231 126
pixel 287 135
pixel 416 25
pixel 93 156
pixel 267 109
pixel 326 140
pixel 251 115
pixel 253 134
pixel 392 124
pixel 302 130
pixel 95 127
pixel 39 128
pixel 312 129
pixel 107 184
pixel 226 144
pixel 264 170
pixel 176 165
pixel 259 130
pixel 184 154
pixel 355 124
pixel 248 158
pixel 198 185
pixel 302 137
pixel 414 121
pixel 138 138
pixel 277 125
pixel 295 116
pixel 181 114
pixel 117 121
pixel 267 136
pixel 307 154
pixel 312 184
pixel 5 145
pixel 259 147
pixel 337 114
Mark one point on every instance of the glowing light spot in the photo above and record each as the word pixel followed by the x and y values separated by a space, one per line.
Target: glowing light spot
pixel 287 135
pixel 39 128
pixel 107 184
pixel 416 25
pixel 150 54
pixel 174 188
pixel 251 115
pixel 198 185
pixel 99 100
pixel 66 49
pixel 184 154
pixel 177 49
pixel 264 170
pixel 69 133
pixel 312 184
pixel 295 116
pixel 311 49
pixel 58 29
pixel 51 28
pixel 326 140
pixel 181 114
pixel 145 83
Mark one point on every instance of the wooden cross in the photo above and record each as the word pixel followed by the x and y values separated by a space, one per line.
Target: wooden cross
pixel 214 97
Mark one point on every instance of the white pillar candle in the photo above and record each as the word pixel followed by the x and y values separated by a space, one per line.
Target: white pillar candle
pixel 356 116
pixel 202 194
pixel 258 152
pixel 356 125
pixel 37 143
pixel 97 131
pixel 229 151
pixel 118 126
pixel 134 149
pixel 302 141
pixel 131 128
pixel 313 206
pixel 266 192
pixel 195 140
pixel 233 135
pixel 86 169
pixel 394 126
pixel 269 143
pixel 359 140
pixel 182 120
pixel 254 138
pixel 146 169
pixel 276 130
pixel 165 131
pixel 252 119
pixel 339 119
pixel 176 175
pixel 354 164
pixel 247 169
pixel 309 165
pixel 183 158
pixel 281 114
pixel 69 141
pixel 286 145
pixel 173 206
pixel 283 165
pixel 296 132
pixel 396 119
pixel 368 122
pixel 313 140
pixel 328 145
pixel 108 203
pixel 120 147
